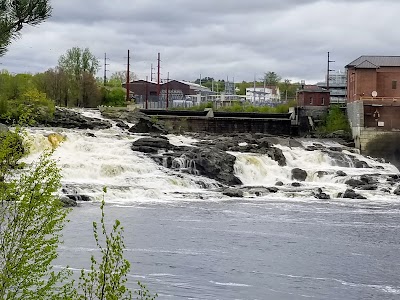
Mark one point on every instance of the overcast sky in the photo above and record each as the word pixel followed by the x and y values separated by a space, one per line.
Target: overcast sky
pixel 216 38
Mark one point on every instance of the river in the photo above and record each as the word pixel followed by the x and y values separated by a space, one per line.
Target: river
pixel 185 241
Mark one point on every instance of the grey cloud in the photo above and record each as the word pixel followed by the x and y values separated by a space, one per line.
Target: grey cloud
pixel 215 38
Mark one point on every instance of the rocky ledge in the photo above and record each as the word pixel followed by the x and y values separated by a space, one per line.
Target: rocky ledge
pixel 67 118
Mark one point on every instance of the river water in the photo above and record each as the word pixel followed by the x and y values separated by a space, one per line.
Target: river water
pixel 185 241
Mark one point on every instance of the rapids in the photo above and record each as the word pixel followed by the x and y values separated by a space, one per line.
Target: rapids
pixel 92 159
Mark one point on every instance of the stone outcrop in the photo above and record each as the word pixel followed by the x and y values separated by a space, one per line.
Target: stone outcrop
pixel 206 161
pixel 67 118
pixel 299 174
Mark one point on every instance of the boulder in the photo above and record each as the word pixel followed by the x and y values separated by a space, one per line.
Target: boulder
pixel 67 118
pixel 355 183
pixel 232 192
pixel 279 183
pixel 122 124
pixel 299 174
pixel 351 194
pixel 68 202
pixel 146 124
pixel 151 144
pixel 397 191
pixel 341 173
pixel 321 195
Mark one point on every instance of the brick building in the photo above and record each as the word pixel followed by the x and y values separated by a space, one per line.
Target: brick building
pixel 371 77
pixel 373 104
pixel 315 96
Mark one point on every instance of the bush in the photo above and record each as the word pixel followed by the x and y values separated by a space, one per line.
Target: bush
pixel 335 120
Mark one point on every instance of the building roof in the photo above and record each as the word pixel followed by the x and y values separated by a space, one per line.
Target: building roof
pixel 373 62
pixel 314 90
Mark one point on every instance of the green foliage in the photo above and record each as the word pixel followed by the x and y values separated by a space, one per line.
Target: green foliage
pixel 114 97
pixel 15 14
pixel 107 277
pixel 11 151
pixel 31 107
pixel 335 120
pixel 31 220
pixel 79 67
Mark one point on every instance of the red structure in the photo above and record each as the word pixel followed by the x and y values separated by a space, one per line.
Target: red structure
pixel 373 78
pixel 313 97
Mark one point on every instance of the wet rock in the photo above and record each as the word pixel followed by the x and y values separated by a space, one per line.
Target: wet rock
pixel 232 192
pixel 67 118
pixel 385 190
pixel 89 134
pixel 151 144
pixel 272 189
pixel 296 184
pixel 279 183
pixel 122 124
pixel 321 174
pixel 319 194
pixel 299 174
pixel 146 124
pixel 277 155
pixel 341 173
pixel 351 194
pixel 369 187
pixel 368 179
pixel 78 197
pixel 355 183
pixel 397 191
pixel 361 164
pixel 68 202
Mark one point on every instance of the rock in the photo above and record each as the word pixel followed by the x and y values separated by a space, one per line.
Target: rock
pixel 299 174
pixel 277 155
pixel 122 124
pixel 341 173
pixel 369 187
pixel 272 189
pixel 361 164
pixel 67 118
pixel 351 194
pixel 232 192
pixel 296 184
pixel 321 195
pixel 55 139
pixel 78 197
pixel 279 183
pixel 151 144
pixel 355 183
pixel 321 174
pixel 368 179
pixel 146 124
pixel 89 134
pixel 68 202
pixel 397 191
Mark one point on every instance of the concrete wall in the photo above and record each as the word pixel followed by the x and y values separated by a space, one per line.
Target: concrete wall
pixel 355 114
pixel 227 125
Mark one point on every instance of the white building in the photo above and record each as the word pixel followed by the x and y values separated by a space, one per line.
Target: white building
pixel 268 95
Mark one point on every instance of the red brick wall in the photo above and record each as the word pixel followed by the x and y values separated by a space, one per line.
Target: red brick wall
pixel 307 98
pixel 362 82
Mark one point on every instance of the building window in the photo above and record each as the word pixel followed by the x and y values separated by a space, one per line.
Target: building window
pixel 394 84
pixel 311 100
pixel 323 101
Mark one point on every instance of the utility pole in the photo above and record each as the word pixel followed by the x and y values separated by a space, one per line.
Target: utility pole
pixel 105 68
pixel 147 92
pixel 127 80
pixel 327 73
pixel 167 98
pixel 200 80
pixel 158 74
pixel 151 72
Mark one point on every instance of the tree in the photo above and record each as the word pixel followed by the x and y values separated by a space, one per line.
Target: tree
pixel 271 78
pixel 80 65
pixel 31 220
pixel 15 14
pixel 119 77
